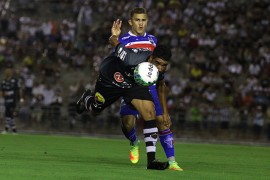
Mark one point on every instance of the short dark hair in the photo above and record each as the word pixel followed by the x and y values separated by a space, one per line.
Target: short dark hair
pixel 137 10
pixel 162 52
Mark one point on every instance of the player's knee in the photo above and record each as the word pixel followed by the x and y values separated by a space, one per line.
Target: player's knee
pixel 149 114
pixel 160 125
pixel 159 119
pixel 146 108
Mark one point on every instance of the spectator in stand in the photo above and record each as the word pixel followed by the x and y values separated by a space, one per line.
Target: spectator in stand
pixel 226 118
pixel 195 72
pixel 268 123
pixel 223 28
pixel 258 122
pixel 29 79
pixel 244 116
pixel 196 118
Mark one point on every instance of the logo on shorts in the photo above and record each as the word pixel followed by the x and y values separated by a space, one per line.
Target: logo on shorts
pixel 99 98
pixel 118 77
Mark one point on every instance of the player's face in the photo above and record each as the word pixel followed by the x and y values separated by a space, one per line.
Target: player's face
pixel 160 64
pixel 138 24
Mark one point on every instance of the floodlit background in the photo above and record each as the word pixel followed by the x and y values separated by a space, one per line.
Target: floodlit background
pixel 219 71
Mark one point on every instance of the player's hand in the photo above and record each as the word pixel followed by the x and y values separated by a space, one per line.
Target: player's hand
pixel 116 28
pixel 167 120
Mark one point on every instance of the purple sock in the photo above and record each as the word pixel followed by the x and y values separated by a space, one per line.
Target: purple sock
pixel 130 135
pixel 167 142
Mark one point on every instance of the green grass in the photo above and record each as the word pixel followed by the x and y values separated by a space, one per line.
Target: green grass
pixel 66 157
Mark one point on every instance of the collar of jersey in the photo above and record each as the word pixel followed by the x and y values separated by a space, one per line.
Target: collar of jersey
pixel 131 34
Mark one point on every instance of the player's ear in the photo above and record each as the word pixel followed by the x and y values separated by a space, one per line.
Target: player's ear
pixel 129 22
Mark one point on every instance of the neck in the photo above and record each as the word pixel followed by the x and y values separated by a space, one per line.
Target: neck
pixel 137 34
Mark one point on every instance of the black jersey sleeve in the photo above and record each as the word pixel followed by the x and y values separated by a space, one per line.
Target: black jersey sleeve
pixel 130 56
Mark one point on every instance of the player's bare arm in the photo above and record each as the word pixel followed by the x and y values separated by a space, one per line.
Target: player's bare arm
pixel 162 93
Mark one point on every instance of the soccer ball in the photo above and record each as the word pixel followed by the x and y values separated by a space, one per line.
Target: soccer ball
pixel 146 74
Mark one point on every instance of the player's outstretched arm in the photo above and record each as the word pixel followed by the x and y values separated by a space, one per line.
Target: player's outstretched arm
pixel 116 31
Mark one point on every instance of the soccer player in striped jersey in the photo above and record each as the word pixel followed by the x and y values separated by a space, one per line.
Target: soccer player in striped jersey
pixel 138 38
pixel 116 80
pixel 10 90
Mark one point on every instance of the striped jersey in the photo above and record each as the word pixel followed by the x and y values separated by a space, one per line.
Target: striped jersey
pixel 130 40
pixel 10 89
pixel 147 41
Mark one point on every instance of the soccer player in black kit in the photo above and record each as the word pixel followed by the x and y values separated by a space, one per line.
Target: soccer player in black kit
pixel 116 80
pixel 11 92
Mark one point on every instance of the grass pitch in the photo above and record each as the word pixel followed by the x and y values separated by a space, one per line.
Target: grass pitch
pixel 48 157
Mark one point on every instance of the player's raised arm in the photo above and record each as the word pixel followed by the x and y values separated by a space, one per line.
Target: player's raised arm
pixel 116 31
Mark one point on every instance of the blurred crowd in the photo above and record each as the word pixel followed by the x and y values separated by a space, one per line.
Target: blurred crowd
pixel 219 78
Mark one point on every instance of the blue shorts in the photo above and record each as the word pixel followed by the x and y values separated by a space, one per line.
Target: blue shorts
pixel 126 109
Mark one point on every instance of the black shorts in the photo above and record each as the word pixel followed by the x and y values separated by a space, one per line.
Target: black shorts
pixel 105 96
pixel 10 109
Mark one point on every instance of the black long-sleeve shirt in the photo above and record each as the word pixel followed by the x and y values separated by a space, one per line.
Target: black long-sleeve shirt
pixel 117 69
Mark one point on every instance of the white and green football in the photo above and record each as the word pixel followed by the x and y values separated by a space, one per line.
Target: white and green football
pixel 146 74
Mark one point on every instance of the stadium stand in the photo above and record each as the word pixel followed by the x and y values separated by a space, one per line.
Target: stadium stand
pixel 218 79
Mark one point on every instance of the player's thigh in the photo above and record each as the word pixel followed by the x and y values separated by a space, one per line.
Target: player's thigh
pixel 105 96
pixel 145 107
pixel 127 109
pixel 142 101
